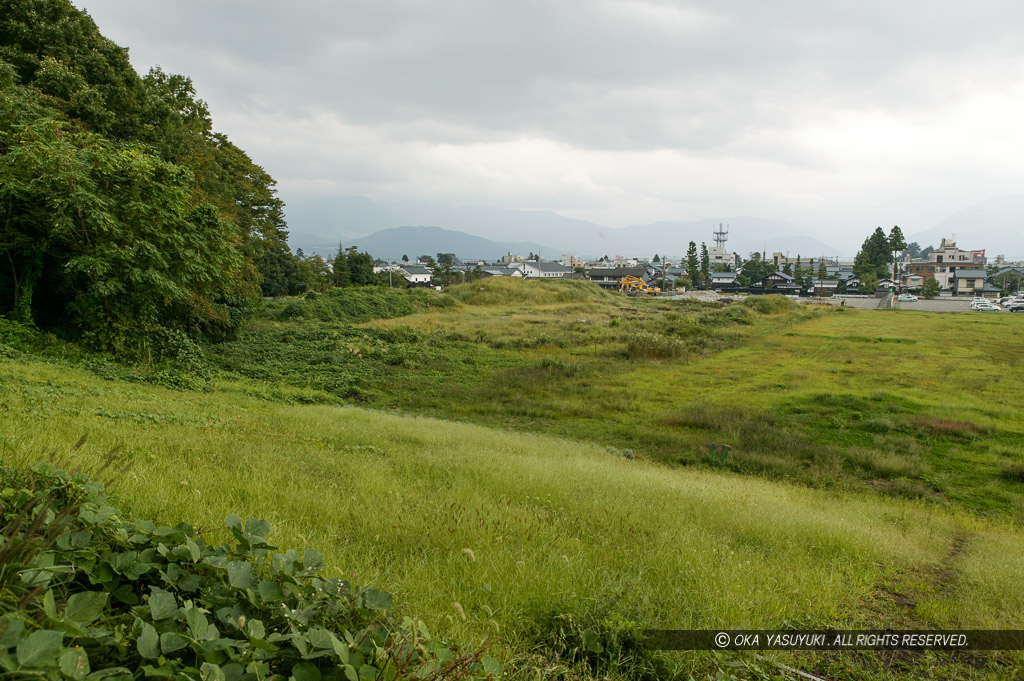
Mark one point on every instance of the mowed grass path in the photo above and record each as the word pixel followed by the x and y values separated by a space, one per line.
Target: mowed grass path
pixel 514 528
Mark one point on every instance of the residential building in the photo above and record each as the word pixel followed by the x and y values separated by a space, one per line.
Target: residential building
pixel 942 264
pixel 722 279
pixel 971 282
pixel 495 271
pixel 608 277
pixel 719 256
pixel 417 275
pixel 542 270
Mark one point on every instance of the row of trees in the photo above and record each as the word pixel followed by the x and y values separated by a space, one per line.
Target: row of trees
pixel 125 219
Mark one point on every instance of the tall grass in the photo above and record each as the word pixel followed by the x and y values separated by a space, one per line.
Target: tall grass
pixel 509 290
pixel 490 534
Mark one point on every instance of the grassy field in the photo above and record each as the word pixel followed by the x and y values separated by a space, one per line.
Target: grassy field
pixel 531 532
pixel 919 406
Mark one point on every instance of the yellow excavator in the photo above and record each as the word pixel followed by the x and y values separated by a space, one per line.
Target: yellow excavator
pixel 637 286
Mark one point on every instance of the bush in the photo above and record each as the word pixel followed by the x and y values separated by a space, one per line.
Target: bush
pixel 90 594
pixel 600 643
pixel 770 304
pixel 356 304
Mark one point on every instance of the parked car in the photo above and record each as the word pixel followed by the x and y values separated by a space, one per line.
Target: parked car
pixel 985 307
pixel 906 298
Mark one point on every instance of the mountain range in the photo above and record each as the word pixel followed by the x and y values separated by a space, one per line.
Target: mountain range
pixel 389 230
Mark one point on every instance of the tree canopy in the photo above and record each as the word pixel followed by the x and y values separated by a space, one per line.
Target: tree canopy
pixel 124 218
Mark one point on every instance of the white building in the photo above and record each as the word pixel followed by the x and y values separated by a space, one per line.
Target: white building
pixel 542 270
pixel 417 275
pixel 719 256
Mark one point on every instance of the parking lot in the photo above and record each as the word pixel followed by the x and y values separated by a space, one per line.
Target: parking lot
pixel 941 304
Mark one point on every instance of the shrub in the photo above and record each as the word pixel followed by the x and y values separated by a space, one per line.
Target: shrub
pixel 356 304
pixel 600 643
pixel 770 304
pixel 90 594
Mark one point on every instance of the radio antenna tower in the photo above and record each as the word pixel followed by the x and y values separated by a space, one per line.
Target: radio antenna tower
pixel 721 235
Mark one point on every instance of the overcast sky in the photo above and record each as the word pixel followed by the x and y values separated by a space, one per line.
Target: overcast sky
pixel 837 115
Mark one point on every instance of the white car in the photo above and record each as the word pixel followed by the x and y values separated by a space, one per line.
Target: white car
pixel 985 307
pixel 906 298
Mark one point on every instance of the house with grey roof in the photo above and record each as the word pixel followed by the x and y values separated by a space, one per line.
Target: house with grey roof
pixel 417 275
pixel 543 270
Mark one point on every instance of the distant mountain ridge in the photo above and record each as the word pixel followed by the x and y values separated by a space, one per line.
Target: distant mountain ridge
pixel 996 225
pixel 471 231
pixel 392 244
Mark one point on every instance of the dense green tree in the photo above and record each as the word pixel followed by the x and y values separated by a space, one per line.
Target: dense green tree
pixel 754 269
pixel 705 262
pixel 341 276
pixel 872 261
pixel 693 265
pixel 110 232
pixel 89 149
pixel 897 244
pixel 931 288
pixel 360 267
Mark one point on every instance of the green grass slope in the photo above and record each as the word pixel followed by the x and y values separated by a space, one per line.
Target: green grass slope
pixel 525 542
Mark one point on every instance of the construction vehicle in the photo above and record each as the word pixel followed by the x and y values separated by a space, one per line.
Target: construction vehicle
pixel 634 286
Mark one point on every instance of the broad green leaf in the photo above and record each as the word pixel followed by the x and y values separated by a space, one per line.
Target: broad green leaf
pixel 304 671
pixel 148 644
pixel 171 642
pixel 256 629
pixel 232 671
pixel 40 649
pixel 374 599
pixel 491 666
pixel 233 522
pixel 74 663
pixel 211 672
pixel 50 605
pixel 85 607
pixel 270 591
pixel 162 604
pixel 312 559
pixel 10 631
pixel 240 574
pixel 341 650
pixel 197 623
pixel 257 528
pixel 351 673
pixel 193 550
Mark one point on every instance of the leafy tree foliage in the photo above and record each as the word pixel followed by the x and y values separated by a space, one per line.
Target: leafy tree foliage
pixel 705 262
pixel 754 270
pixel 872 261
pixel 693 265
pixel 117 197
pixel 111 233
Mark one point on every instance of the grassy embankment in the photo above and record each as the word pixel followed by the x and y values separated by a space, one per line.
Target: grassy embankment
pixel 919 406
pixel 563 536
pixel 552 527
